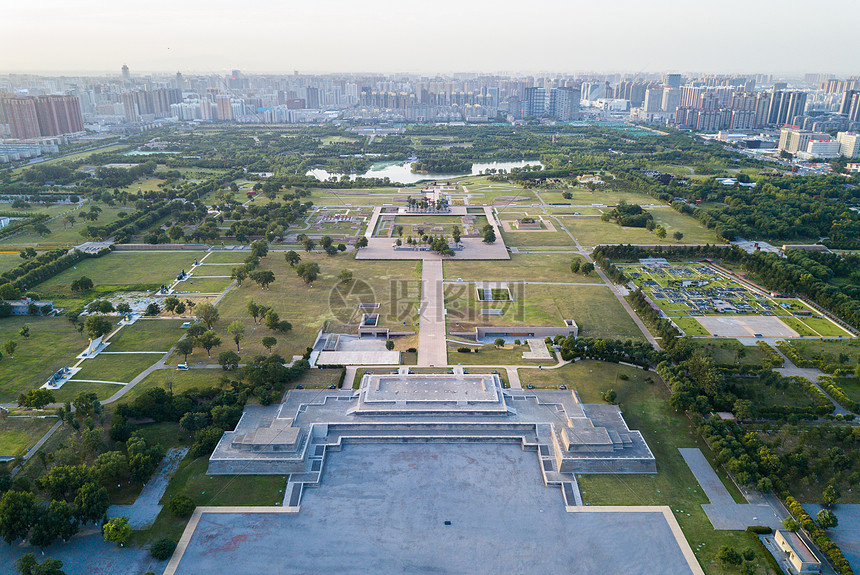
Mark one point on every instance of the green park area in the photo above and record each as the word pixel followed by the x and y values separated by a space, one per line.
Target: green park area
pixel 9 260
pixel 543 267
pixel 67 224
pixel 595 309
pixel 147 335
pixel 53 343
pixel 118 367
pixel 18 434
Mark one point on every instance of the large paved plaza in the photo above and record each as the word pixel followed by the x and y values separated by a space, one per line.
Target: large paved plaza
pixel 383 509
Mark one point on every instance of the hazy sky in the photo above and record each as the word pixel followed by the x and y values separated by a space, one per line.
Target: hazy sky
pixel 772 36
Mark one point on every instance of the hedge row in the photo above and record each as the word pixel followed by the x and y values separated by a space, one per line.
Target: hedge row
pixel 819 536
pixel 829 385
pixel 772 358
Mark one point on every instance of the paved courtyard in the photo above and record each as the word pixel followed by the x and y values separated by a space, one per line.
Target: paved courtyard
pixel 745 326
pixel 384 508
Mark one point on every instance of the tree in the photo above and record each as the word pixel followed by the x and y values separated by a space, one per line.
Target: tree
pixel 826 519
pixel 209 340
pixel 292 258
pixel 208 314
pixel 361 243
pixel 587 268
pixel 728 556
pixel 181 506
pixel 17 515
pixel 36 398
pixel 455 234
pixel 678 236
pixel 10 347
pixel 274 322
pixel 253 310
pixel 57 521
pixel 163 549
pixel 175 233
pixel 269 342
pixel 123 308
pixel 170 303
pixel 237 330
pixel 82 284
pixel 830 496
pixel 239 274
pixel 326 242
pixel 574 266
pixel 791 524
pixel 345 277
pixel 309 245
pixel 27 253
pixel 117 530
pixel 9 291
pixel 308 271
pixel 91 503
pixel 97 326
pixel 152 309
pixel 660 231
pixel 263 278
pixel 389 345
pixel 489 234
pixel 27 565
pixel 185 346
pixel 499 342
pixel 86 403
pixel 194 421
pixel 609 396
pixel 111 466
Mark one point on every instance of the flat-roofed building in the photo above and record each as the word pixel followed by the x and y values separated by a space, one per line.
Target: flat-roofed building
pixel 801 557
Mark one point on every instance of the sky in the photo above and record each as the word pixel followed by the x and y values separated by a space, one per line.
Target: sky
pixel 787 37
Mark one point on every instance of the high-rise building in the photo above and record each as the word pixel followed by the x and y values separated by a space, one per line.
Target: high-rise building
pixel 59 114
pixel 45 116
pixel 225 107
pixel 313 98
pixel 673 80
pixel 19 113
pixel 126 75
pixel 793 140
pixel 534 102
pixel 671 99
pixel 849 144
pixel 564 104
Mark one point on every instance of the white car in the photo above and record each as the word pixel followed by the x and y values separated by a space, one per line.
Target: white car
pixel 182 367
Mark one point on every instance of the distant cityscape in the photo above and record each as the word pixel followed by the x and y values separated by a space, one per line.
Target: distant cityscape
pixel 812 118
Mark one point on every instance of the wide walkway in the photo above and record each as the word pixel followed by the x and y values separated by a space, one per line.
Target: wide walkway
pixel 723 512
pixel 142 513
pixel 432 348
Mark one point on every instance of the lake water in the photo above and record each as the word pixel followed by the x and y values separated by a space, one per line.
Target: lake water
pixel 401 172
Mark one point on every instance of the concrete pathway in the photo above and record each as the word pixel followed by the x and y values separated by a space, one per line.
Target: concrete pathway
pixel 142 513
pixel 513 378
pixel 32 451
pixel 432 349
pixel 723 512
pixel 847 533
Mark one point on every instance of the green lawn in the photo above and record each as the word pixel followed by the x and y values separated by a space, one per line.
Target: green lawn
pixel 178 381
pixel 204 285
pixel 72 388
pixel 53 343
pixel 122 368
pixel 690 326
pixel 62 233
pixel 828 350
pixel 147 335
pixel 121 269
pixel 674 221
pixel 191 480
pixel 730 352
pixel 491 355
pixel 521 267
pixel 17 434
pixel 603 194
pixel 593 231
pixel 9 260
pixel 646 408
pixel 594 308
pixel 394 285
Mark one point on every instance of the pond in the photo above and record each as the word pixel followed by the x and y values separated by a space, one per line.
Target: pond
pixel 401 172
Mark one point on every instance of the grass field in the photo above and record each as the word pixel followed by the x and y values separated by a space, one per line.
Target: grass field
pixel 76 157
pixel 674 221
pixel 530 239
pixel 71 389
pixel 646 408
pixel 120 269
pixel 205 284
pixel 179 381
pixel 521 267
pixel 730 352
pixel 147 335
pixel 394 285
pixel 191 480
pixel 594 308
pixel 64 234
pixel 17 434
pixel 121 368
pixel 53 343
pixel 604 194
pixel 509 354
pixel 9 260
pixel 593 231
pixel 829 350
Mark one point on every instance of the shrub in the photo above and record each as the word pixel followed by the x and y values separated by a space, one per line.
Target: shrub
pixel 163 548
pixel 464 350
pixel 181 506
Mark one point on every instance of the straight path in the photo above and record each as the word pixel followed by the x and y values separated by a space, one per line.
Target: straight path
pixel 432 350
pixel 142 513
pixel 32 451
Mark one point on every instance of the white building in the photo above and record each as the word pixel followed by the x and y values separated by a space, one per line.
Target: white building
pixel 801 557
pixel 816 149
pixel 849 144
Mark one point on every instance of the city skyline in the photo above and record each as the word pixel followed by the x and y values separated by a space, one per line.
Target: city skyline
pixel 385 37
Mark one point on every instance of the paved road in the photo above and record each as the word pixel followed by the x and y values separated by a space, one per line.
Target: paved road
pixel 142 513
pixel 432 349
pixel 723 512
